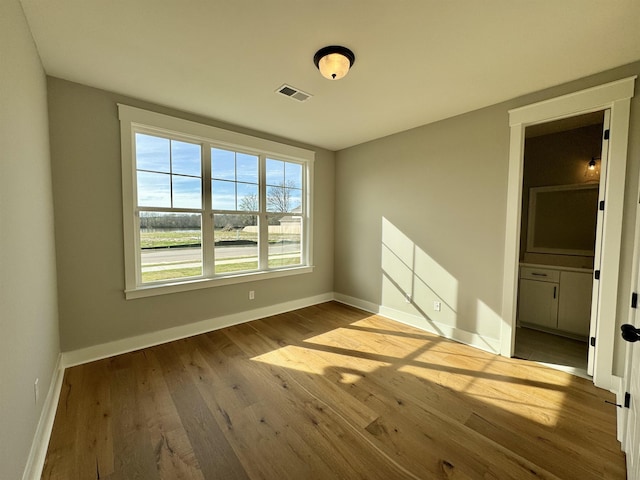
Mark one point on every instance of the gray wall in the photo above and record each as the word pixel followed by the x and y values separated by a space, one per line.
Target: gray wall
pixel 29 344
pixel 441 188
pixel 85 156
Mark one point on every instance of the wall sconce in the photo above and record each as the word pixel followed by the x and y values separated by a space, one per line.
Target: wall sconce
pixel 592 172
pixel 334 62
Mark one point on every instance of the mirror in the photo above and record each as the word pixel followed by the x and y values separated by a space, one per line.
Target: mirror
pixel 562 219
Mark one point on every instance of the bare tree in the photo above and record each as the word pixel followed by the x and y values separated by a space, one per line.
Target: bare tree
pixel 279 198
pixel 249 203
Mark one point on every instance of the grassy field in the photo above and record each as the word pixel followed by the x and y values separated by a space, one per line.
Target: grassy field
pixel 221 269
pixel 159 239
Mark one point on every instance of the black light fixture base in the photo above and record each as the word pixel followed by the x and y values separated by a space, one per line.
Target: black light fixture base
pixel 334 49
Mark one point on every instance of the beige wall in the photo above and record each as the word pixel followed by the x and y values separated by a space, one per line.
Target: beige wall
pixel 439 193
pixel 85 156
pixel 29 344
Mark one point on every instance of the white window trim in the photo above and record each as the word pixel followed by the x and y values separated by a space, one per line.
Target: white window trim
pixel 132 118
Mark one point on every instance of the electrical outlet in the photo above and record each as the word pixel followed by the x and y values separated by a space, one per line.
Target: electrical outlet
pixel 437 306
pixel 252 295
pixel 36 390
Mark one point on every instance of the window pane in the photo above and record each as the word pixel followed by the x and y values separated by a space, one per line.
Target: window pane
pixel 236 243
pixel 295 200
pixel 285 241
pixel 223 164
pixel 187 192
pixel 185 158
pixel 224 195
pixel 154 189
pixel 293 174
pixel 247 192
pixel 275 172
pixel 170 246
pixel 246 168
pixel 152 153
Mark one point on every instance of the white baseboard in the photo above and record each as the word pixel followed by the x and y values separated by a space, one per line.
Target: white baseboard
pixel 491 345
pixel 356 302
pixel 38 452
pixel 117 347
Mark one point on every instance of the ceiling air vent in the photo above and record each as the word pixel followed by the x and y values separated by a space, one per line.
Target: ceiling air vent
pixel 294 93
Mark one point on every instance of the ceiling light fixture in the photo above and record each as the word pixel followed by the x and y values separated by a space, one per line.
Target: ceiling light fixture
pixel 334 62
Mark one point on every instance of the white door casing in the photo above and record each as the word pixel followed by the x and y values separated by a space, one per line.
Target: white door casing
pixel 597 257
pixel 616 97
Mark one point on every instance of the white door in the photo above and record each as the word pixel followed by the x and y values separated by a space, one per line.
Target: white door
pixel 595 293
pixel 631 381
pixel 632 377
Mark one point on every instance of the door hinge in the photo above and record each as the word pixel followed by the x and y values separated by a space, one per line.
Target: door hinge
pixel 634 300
pixel 606 134
pixel 592 341
pixel 596 274
pixel 601 205
pixel 626 404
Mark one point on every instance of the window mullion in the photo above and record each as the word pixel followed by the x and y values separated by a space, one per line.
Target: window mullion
pixel 208 250
pixel 263 223
pixel 138 258
pixel 171 172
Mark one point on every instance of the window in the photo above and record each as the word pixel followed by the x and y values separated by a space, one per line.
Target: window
pixel 204 206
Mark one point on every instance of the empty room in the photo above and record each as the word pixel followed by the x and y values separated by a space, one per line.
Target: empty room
pixel 315 239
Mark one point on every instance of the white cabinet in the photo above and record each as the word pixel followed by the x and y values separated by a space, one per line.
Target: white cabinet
pixel 555 299
pixel 538 303
pixel 574 307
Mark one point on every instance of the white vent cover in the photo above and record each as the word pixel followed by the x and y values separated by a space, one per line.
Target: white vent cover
pixel 291 92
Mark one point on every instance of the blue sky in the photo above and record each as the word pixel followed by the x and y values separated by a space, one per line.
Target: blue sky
pixel 159 157
pixel 169 175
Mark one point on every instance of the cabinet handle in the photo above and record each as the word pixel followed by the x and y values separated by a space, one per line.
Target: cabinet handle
pixel 536 274
pixel 554 292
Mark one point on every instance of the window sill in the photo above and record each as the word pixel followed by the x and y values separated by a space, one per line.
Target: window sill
pixel 185 286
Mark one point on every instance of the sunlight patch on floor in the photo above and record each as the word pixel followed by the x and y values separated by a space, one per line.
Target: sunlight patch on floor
pixel 348 353
pixel 317 361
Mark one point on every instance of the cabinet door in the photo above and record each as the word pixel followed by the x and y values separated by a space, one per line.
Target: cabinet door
pixel 538 303
pixel 574 308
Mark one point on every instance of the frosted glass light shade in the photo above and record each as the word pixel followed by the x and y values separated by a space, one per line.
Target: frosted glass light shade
pixel 334 62
pixel 334 66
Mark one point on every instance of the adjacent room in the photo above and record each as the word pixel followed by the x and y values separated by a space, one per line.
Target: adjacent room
pixel 319 239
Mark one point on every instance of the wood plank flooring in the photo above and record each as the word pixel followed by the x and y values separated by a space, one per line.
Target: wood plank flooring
pixel 328 392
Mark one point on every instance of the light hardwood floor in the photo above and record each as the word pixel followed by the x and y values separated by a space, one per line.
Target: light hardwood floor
pixel 328 392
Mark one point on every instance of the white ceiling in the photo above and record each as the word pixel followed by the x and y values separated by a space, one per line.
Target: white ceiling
pixel 417 61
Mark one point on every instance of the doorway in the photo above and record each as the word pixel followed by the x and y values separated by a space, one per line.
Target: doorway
pixel 615 96
pixel 559 211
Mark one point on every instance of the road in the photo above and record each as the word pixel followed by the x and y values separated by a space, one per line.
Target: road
pixel 170 255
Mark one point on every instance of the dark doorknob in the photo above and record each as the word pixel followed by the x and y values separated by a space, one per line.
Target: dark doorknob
pixel 630 333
